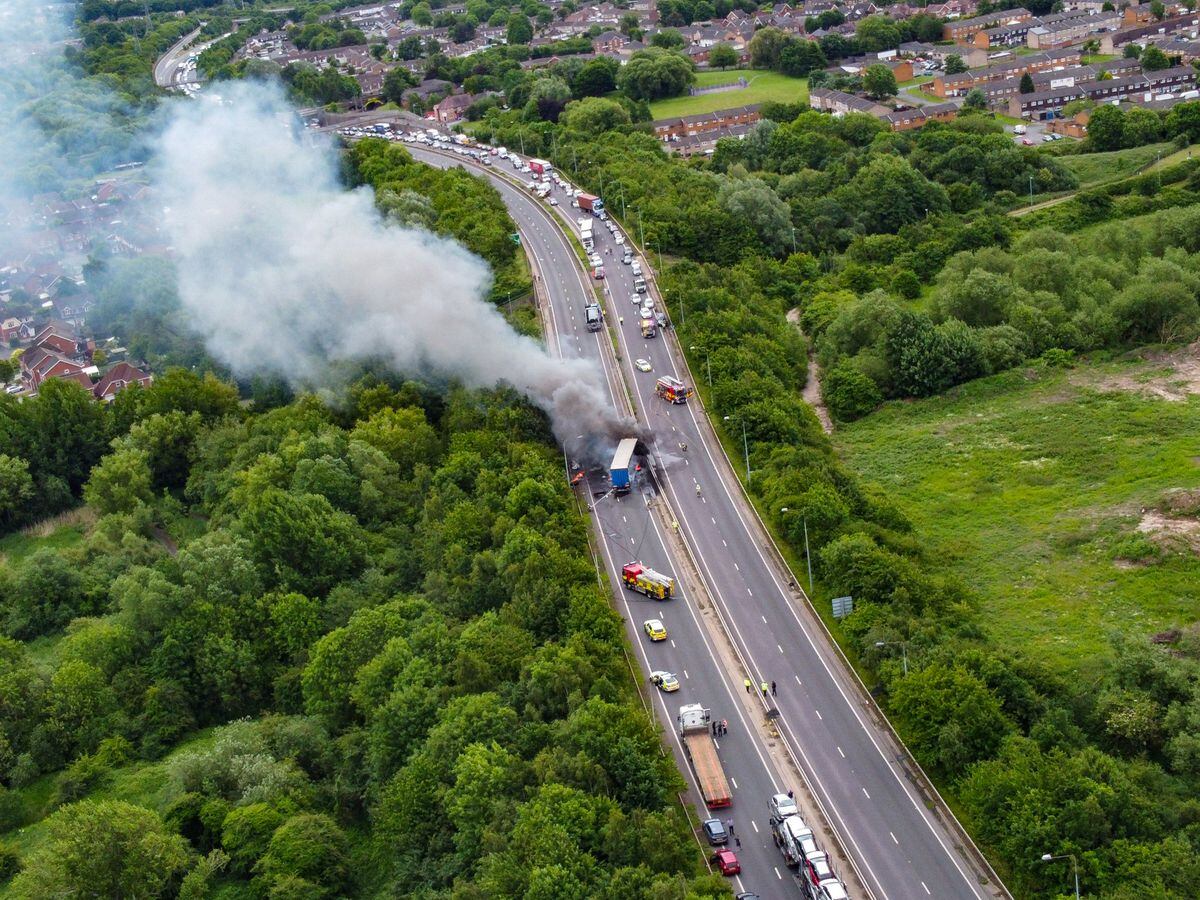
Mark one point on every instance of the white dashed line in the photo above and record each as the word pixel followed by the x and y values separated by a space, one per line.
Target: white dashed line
pixel 865 794
pixel 798 681
pixel 925 886
pixel 840 753
pixel 685 674
pixel 754 825
pixel 819 716
pixel 735 565
pixel 894 841
pixel 734 783
pixel 777 875
pixel 764 618
pixel 780 648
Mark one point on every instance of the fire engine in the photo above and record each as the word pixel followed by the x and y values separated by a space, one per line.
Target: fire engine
pixel 672 389
pixel 641 578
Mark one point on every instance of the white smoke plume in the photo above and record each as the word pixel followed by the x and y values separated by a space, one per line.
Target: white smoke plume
pixel 283 271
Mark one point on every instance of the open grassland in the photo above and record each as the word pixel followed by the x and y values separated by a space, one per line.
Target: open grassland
pixel 1039 489
pixel 1098 168
pixel 762 87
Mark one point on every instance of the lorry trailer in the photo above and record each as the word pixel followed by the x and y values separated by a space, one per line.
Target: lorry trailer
pixel 696 735
pixel 541 166
pixel 591 203
pixel 621 471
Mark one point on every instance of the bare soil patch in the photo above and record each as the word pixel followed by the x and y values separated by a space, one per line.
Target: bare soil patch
pixel 1174 377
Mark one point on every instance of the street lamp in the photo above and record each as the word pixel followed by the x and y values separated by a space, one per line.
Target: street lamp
pixel 793 240
pixel 1049 857
pixel 745 444
pixel 707 360
pixel 903 650
pixel 1031 190
pixel 807 555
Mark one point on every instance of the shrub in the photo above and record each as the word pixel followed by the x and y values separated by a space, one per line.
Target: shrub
pixel 849 393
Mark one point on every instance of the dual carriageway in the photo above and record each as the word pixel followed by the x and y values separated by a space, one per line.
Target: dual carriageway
pixel 737 614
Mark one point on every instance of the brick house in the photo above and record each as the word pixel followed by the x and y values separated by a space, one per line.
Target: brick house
pixel 116 379
pixel 692 126
pixel 963 31
pixel 452 108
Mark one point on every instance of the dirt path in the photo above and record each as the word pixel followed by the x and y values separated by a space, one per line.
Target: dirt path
pixel 812 386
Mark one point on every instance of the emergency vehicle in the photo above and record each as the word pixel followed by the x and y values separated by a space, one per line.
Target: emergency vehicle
pixel 641 578
pixel 672 389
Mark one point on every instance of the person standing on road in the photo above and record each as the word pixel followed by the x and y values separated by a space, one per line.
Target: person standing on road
pixel 729 825
pixel 747 685
pixel 772 689
pixel 764 688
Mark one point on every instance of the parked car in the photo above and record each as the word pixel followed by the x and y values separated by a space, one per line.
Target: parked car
pixel 781 806
pixel 664 681
pixel 726 862
pixel 816 868
pixel 714 832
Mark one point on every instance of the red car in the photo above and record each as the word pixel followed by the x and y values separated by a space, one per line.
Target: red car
pixel 726 862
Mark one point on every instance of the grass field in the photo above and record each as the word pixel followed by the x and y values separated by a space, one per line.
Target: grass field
pixel 1031 487
pixel 763 86
pixel 1097 168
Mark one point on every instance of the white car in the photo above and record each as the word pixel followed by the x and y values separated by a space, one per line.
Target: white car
pixel 620 239
pixel 637 267
pixel 595 259
pixel 646 312
pixel 782 806
pixel 648 301
pixel 553 202
pixel 627 259
pixel 642 365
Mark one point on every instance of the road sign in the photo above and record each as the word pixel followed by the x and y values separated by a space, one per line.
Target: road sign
pixel 515 238
pixel 842 607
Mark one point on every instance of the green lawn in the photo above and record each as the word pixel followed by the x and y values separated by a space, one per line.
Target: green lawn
pixel 1098 168
pixel 763 86
pixel 1030 485
pixel 58 533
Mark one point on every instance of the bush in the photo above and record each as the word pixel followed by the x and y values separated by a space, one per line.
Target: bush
pixel 849 393
pixel 10 863
pixel 308 846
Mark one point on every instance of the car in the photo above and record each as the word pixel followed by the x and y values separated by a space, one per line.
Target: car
pixel 726 862
pixel 655 629
pixel 646 312
pixel 637 267
pixel 817 868
pixel 1047 138
pixel 664 681
pixel 598 273
pixel 1027 142
pixel 714 832
pixel 553 202
pixel 642 365
pixel 832 889
pixel 637 299
pixel 781 806
pixel 627 259
pixel 661 319
pixel 648 301
pixel 620 239
pixel 746 895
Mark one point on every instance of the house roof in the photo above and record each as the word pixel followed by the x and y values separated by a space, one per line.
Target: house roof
pixel 118 377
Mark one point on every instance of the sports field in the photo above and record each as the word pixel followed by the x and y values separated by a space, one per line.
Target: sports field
pixel 761 87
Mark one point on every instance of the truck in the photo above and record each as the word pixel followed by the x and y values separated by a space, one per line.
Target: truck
pixel 541 166
pixel 585 235
pixel 672 389
pixel 649 328
pixel 794 839
pixel 637 576
pixel 695 732
pixel 623 465
pixel 593 316
pixel 591 203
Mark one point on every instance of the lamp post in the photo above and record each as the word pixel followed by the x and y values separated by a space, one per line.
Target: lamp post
pixel 1050 857
pixel 745 444
pixel 1031 190
pixel 807 555
pixel 707 363
pixel 903 651
pixel 793 240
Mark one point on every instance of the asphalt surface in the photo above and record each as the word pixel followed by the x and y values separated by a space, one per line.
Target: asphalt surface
pixel 900 848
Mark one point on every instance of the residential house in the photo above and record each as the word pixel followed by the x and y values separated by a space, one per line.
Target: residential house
pixel 908 119
pixel 452 108
pixel 672 130
pixel 119 377
pixel 839 103
pixel 1012 34
pixel 1065 29
pixel 15 330
pixel 609 42
pixel 1187 26
pixel 1144 87
pixel 963 31
pixel 1143 13
pixel 960 84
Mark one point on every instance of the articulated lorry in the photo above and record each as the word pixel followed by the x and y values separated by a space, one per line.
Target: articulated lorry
pixel 695 731
pixel 591 203
pixel 540 166
pixel 620 473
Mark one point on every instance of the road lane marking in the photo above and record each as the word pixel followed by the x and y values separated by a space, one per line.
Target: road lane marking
pixel 819 716
pixel 840 753
pixel 865 794
pixel 896 842
pixel 672 643
pixel 764 618
pixel 735 565
pixel 777 875
pixel 754 825
pixel 685 674
pixel 925 886
pixel 733 781
pixel 798 681
pixel 780 648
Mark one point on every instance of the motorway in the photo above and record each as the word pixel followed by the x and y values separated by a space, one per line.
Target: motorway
pixel 864 784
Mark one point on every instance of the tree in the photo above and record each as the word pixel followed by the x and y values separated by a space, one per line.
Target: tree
pixel 889 193
pixel 753 201
pixel 668 39
pixel 103 848
pixel 594 116
pixel 630 23
pixel 1142 126
pixel 121 482
pixel 595 78
pixel 547 98
pixel 1153 59
pixel 765 47
pixel 520 31
pixel 955 64
pixel 1184 119
pixel 879 82
pixel 16 490
pixel 1157 9
pixel 656 73
pixel 722 56
pixel 849 393
pixel 396 83
pixel 975 99
pixel 1106 128
pixel 308 846
pixel 1027 86
pixel 799 58
pixel 875 33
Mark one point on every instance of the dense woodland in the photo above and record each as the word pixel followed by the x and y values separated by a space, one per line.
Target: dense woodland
pixel 383 649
